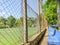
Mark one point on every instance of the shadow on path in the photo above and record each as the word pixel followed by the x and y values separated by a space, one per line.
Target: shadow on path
pixel 40 41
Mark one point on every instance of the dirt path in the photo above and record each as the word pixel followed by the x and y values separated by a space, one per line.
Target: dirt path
pixel 44 40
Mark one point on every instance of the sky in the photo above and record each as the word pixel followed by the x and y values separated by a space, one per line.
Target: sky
pixel 14 8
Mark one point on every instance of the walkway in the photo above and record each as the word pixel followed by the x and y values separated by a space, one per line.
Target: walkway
pixel 44 40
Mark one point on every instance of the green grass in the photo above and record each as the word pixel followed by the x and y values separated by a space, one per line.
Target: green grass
pixel 14 36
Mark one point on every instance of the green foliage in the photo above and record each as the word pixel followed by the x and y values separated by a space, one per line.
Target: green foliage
pixel 31 22
pixel 18 22
pixel 14 22
pixel 50 11
pixel 11 21
pixel 2 21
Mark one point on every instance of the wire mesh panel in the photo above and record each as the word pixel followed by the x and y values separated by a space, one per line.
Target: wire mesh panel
pixel 32 17
pixel 11 22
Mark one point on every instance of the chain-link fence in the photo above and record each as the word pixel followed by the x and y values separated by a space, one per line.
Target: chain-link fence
pixel 32 17
pixel 11 21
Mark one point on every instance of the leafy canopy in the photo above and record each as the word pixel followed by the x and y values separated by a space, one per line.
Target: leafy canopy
pixel 50 11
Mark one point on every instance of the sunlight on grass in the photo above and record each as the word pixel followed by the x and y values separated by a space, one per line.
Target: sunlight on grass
pixel 14 36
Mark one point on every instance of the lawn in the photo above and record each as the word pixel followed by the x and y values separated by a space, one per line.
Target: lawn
pixel 14 36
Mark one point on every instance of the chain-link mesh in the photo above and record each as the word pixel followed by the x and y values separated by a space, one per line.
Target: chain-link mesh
pixel 11 21
pixel 32 17
pixel 11 27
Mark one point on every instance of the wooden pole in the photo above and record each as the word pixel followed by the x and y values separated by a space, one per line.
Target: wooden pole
pixel 39 15
pixel 25 21
pixel 58 13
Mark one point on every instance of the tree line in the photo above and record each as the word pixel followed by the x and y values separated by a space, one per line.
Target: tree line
pixel 14 22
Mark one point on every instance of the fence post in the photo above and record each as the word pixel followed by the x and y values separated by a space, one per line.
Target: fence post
pixel 25 21
pixel 39 15
pixel 42 19
pixel 58 13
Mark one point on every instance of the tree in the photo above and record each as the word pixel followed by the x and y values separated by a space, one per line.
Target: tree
pixel 18 22
pixel 11 21
pixel 50 11
pixel 31 22
pixel 3 20
pixel 21 19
